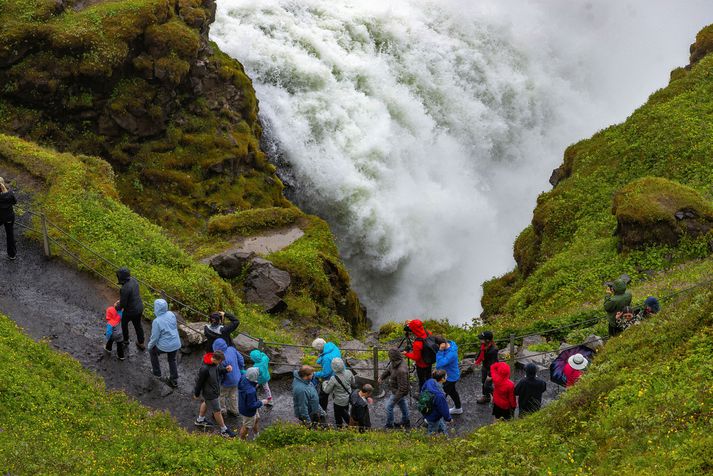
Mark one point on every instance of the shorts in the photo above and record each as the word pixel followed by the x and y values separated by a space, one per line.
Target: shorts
pixel 249 421
pixel 213 405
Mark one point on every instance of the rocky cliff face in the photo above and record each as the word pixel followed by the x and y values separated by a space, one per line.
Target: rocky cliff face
pixel 139 84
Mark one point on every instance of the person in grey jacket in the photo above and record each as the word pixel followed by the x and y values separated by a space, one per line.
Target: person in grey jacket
pixel 340 384
pixel 305 398
pixel 164 340
pixel 397 377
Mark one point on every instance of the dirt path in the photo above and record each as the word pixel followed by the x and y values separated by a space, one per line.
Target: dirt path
pixel 52 301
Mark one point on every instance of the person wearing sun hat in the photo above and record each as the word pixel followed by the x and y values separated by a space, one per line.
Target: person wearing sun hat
pixel 574 367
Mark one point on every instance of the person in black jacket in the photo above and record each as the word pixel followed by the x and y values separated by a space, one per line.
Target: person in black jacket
pixel 217 329
pixel 132 306
pixel 487 357
pixel 360 400
pixel 7 217
pixel 207 388
pixel 529 391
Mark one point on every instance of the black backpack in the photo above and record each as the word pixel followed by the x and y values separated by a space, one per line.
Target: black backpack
pixel 425 403
pixel 430 349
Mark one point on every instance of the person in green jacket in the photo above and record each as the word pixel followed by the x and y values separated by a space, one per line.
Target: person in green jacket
pixel 262 361
pixel 617 298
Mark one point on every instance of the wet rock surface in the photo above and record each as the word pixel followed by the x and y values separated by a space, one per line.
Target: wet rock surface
pixel 65 307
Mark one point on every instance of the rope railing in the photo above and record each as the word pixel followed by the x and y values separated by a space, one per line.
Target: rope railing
pixel 261 343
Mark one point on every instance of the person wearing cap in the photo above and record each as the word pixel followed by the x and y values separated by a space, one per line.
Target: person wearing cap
pixel 207 388
pixel 327 352
pixel 248 403
pixel 487 357
pixel 217 328
pixel 617 298
pixel 164 340
pixel 529 391
pixel 574 367
pixel 131 306
pixel 7 218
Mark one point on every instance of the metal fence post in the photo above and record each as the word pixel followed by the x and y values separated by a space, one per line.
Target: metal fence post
pixel 375 351
pixel 512 352
pixel 45 237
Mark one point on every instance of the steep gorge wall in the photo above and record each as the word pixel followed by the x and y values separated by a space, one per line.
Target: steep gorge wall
pixel 138 83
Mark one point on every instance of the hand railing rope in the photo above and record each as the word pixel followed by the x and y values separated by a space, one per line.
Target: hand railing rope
pixel 183 305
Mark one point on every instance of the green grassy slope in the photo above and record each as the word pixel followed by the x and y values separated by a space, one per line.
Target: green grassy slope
pixel 570 249
pixel 643 408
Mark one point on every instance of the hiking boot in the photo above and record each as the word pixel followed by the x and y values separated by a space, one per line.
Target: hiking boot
pixel 391 427
pixel 227 433
pixel 122 359
pixel 12 258
pixel 169 382
pixel 202 423
pixel 483 400
pixel 141 347
pixel 456 411
pixel 406 425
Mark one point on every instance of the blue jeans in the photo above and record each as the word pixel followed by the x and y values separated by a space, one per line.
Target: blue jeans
pixel 390 404
pixel 438 426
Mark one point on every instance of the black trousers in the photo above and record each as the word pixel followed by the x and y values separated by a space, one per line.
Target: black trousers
pixel 450 389
pixel 487 387
pixel 323 398
pixel 423 374
pixel 119 347
pixel 172 366
pixel 613 330
pixel 136 321
pixel 341 415
pixel 10 237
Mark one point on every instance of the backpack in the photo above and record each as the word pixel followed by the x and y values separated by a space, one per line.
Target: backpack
pixel 430 349
pixel 425 403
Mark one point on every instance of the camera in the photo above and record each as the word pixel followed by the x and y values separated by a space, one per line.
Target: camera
pixel 407 329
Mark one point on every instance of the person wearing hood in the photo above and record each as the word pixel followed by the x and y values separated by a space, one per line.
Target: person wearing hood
pixel 113 332
pixel 360 401
pixel 447 359
pixel 504 403
pixel 423 368
pixel 617 298
pixel 262 363
pixel 397 375
pixel 164 340
pixel 249 404
pixel 327 352
pixel 574 368
pixel 207 388
pixel 340 384
pixel 7 218
pixel 305 399
pixel 131 306
pixel 486 358
pixel 529 391
pixel 218 329
pixel 440 414
pixel 229 384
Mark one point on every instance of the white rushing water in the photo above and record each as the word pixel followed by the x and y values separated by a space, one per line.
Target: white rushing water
pixel 424 130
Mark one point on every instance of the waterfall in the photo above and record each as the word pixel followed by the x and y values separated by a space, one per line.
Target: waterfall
pixel 422 131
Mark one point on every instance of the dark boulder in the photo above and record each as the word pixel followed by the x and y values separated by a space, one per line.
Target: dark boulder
pixel 230 265
pixel 265 285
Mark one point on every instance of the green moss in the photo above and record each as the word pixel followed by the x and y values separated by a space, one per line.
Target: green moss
pixel 250 222
pixel 496 293
pixel 654 199
pixel 526 251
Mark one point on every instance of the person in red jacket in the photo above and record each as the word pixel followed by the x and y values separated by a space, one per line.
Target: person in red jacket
pixel 423 369
pixel 486 358
pixel 573 368
pixel 504 403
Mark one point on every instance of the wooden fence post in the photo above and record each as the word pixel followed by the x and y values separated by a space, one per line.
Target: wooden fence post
pixel 45 237
pixel 261 344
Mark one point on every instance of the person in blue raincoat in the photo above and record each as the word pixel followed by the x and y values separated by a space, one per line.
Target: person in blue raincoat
pixel 327 352
pixel 262 363
pixel 447 359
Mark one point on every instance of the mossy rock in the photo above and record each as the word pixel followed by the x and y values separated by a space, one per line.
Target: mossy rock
pixel 526 251
pixel 496 293
pixel 703 45
pixel 250 222
pixel 658 211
